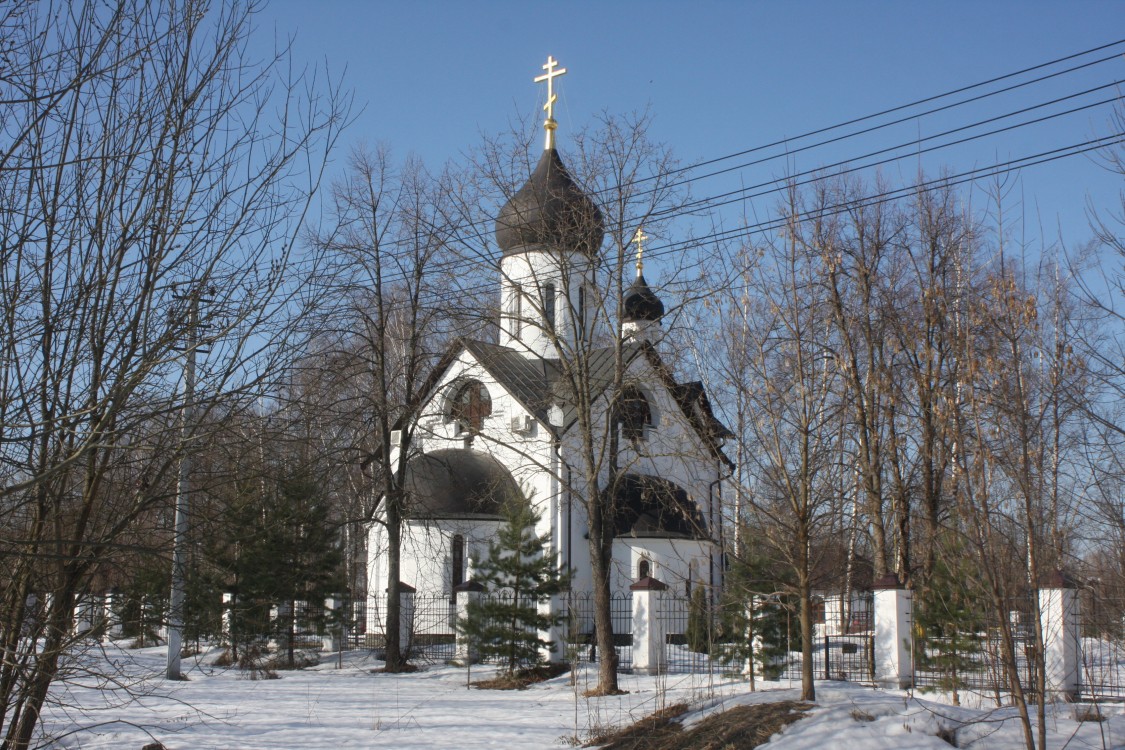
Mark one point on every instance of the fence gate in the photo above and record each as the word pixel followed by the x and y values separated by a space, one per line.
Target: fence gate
pixel 843 640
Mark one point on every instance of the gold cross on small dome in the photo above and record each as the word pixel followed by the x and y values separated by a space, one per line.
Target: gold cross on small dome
pixel 549 124
pixel 640 238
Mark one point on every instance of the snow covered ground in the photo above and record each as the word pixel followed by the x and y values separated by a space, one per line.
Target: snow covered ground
pixel 329 706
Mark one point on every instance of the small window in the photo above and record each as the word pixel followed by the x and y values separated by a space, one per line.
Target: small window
pixel 634 413
pixel 644 570
pixel 470 406
pixel 516 315
pixel 818 610
pixel 457 574
pixel 549 305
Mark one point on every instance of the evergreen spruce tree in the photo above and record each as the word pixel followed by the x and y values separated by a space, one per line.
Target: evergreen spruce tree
pixel 948 620
pixel 506 625
pixel 751 606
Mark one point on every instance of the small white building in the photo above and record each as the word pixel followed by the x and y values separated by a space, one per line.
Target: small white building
pixel 501 420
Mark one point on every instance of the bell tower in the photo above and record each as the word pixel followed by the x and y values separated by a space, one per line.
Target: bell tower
pixel 549 233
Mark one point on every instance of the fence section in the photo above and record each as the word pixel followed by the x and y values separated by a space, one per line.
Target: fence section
pixel 843 640
pixel 953 654
pixel 583 632
pixel 1101 628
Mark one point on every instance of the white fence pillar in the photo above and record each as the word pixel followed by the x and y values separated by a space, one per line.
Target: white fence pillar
pixel 279 621
pixel 467 593
pixel 648 632
pixel 894 665
pixel 85 614
pixel 228 616
pixel 112 613
pixel 1058 616
pixel 330 640
pixel 405 616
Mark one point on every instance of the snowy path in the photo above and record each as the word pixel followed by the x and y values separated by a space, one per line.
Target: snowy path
pixel 326 707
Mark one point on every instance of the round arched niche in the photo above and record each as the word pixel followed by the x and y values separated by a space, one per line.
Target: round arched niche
pixel 469 405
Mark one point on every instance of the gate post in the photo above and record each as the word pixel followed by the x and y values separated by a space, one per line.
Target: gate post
pixel 1058 618
pixel 330 639
pixel 405 616
pixel 466 593
pixel 648 631
pixel 894 666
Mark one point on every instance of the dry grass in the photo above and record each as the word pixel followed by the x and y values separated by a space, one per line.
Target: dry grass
pixel 742 727
pixel 523 678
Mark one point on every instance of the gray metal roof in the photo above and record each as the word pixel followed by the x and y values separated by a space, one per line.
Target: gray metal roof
pixel 550 212
pixel 457 483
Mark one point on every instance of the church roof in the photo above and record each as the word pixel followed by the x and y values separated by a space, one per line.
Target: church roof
pixel 648 506
pixel 457 483
pixel 530 381
pixel 641 303
pixel 550 212
pixel 539 383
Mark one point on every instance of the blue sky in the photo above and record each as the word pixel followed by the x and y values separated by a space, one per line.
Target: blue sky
pixel 722 77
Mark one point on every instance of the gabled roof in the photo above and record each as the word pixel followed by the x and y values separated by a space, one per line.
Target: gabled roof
pixel 539 383
pixel 530 381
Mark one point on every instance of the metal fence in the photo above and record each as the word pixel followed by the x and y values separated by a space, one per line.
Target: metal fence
pixel 433 632
pixel 582 631
pixel 975 655
pixel 843 645
pixel 1101 629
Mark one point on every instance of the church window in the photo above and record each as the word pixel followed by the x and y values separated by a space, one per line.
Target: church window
pixel 549 305
pixel 470 406
pixel 516 315
pixel 634 413
pixel 582 312
pixel 457 574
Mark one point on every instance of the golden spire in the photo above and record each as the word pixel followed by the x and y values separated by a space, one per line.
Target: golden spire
pixel 640 238
pixel 549 124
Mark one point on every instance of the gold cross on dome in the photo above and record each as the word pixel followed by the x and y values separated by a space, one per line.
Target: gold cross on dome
pixel 640 238
pixel 550 77
pixel 549 124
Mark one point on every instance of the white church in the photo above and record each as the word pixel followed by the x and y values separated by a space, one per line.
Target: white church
pixel 500 420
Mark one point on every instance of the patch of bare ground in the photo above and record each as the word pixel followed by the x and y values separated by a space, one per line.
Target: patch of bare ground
pixel 740 728
pixel 522 679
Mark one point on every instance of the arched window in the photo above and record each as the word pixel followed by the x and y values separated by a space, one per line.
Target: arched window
pixel 516 318
pixel 469 407
pixel 582 313
pixel 644 570
pixel 634 413
pixel 549 305
pixel 457 574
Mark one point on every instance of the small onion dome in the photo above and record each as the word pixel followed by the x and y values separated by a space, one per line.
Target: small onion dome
pixel 641 303
pixel 457 483
pixel 550 212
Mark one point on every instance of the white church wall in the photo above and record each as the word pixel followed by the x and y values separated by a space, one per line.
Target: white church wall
pixel 523 277
pixel 671 561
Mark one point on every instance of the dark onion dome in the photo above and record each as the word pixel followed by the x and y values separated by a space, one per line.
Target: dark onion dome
pixel 550 212
pixel 457 483
pixel 653 507
pixel 641 303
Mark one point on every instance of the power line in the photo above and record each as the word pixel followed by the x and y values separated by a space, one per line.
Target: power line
pixel 716 201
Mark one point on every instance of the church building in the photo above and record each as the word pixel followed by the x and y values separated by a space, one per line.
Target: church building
pixel 510 419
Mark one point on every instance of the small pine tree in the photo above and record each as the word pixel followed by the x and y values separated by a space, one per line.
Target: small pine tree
pixel 507 627
pixel 750 607
pixel 947 621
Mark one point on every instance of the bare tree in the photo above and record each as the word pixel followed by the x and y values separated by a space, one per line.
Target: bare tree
pixel 782 365
pixel 143 172
pixel 390 321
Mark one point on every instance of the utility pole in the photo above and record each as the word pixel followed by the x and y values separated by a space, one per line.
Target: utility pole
pixel 183 495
